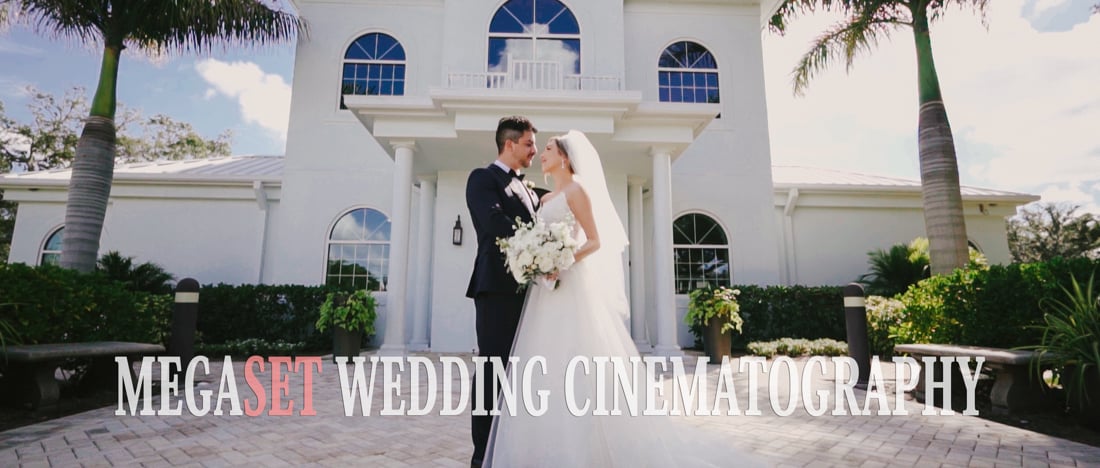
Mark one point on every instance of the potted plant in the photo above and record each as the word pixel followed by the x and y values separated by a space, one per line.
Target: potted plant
pixel 1071 344
pixel 352 316
pixel 717 311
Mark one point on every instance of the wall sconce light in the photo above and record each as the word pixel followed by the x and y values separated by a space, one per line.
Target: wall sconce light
pixel 456 235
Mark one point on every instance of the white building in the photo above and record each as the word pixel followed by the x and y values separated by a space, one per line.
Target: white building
pixel 395 102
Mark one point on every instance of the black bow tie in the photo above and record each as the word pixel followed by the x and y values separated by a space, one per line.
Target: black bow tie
pixel 516 176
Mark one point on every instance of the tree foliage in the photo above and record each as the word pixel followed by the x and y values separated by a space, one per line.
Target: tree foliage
pixel 1043 231
pixel 47 140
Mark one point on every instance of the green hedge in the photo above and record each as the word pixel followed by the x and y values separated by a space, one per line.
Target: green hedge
pixel 994 307
pixel 287 313
pixel 49 304
pixel 775 312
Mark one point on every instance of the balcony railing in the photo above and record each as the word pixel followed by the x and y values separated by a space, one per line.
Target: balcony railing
pixel 533 75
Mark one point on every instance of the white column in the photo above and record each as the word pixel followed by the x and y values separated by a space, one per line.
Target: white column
pixel 394 341
pixel 261 201
pixel 423 264
pixel 665 307
pixel 637 264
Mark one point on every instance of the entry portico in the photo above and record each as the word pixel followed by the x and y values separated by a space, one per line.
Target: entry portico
pixel 435 139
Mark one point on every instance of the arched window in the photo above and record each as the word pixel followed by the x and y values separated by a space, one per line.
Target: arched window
pixel 543 30
pixel 687 72
pixel 702 253
pixel 51 250
pixel 359 250
pixel 374 65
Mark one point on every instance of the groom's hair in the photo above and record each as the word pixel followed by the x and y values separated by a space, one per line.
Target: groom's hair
pixel 512 128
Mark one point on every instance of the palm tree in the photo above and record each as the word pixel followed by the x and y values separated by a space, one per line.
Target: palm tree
pixel 867 22
pixel 156 26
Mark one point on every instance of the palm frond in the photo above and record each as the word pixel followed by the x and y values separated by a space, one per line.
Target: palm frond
pixel 78 20
pixel 201 25
pixel 847 40
pixel 937 9
pixel 161 25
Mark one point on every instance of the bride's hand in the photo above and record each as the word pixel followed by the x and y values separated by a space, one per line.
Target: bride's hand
pixel 552 276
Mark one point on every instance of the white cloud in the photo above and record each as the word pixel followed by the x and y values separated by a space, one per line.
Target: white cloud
pixel 1042 6
pixel 13 87
pixel 1023 104
pixel 1075 193
pixel 264 98
pixel 7 46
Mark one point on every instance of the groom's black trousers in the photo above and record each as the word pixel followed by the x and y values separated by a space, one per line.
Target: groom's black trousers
pixel 497 320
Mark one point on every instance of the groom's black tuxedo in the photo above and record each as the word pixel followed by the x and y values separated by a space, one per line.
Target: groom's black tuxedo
pixel 495 199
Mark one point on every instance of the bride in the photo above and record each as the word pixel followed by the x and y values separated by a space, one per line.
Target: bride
pixel 584 316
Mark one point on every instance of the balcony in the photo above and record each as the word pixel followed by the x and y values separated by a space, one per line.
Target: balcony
pixel 535 75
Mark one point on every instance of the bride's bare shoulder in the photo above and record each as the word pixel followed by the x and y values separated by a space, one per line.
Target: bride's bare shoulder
pixel 574 192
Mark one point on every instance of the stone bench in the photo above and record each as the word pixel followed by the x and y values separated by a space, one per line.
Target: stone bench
pixel 29 370
pixel 1014 387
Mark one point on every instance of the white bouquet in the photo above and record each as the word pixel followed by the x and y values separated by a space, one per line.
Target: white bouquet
pixel 538 249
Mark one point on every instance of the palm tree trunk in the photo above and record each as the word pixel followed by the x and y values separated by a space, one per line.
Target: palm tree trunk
pixel 939 169
pixel 92 172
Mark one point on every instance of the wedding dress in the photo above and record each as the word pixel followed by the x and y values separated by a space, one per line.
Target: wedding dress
pixel 573 320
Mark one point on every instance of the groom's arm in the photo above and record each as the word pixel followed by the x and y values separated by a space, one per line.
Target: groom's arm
pixel 483 200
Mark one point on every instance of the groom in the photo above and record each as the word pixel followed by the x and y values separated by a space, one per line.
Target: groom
pixel 496 195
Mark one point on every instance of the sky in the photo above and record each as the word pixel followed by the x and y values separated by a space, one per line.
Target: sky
pixel 1022 95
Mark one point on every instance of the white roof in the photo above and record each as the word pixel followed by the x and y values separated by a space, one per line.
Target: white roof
pixel 227 169
pixel 270 168
pixel 802 177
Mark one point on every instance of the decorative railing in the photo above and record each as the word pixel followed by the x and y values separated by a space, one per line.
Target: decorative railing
pixel 533 75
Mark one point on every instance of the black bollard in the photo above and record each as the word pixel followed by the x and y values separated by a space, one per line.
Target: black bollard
pixel 855 318
pixel 184 317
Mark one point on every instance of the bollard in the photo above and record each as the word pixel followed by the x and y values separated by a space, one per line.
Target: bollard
pixel 185 314
pixel 855 318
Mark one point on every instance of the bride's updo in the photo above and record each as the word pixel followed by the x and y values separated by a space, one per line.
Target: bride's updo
pixel 563 148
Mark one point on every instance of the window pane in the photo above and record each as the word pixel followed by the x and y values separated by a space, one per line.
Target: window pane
pixel 683 230
pixel 362 48
pixel 560 18
pixel 54 243
pixel 505 22
pixel 350 226
pixel 377 226
pixel 399 88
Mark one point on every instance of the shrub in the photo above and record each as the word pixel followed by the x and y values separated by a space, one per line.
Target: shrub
pixel 775 312
pixel 996 307
pixel 148 276
pixel 270 312
pixel 49 304
pixel 709 303
pixel 795 347
pixel 1071 339
pixel 883 314
pixel 250 347
pixel 351 311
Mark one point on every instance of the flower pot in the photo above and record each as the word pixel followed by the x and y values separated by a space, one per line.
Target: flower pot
pixel 345 342
pixel 715 343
